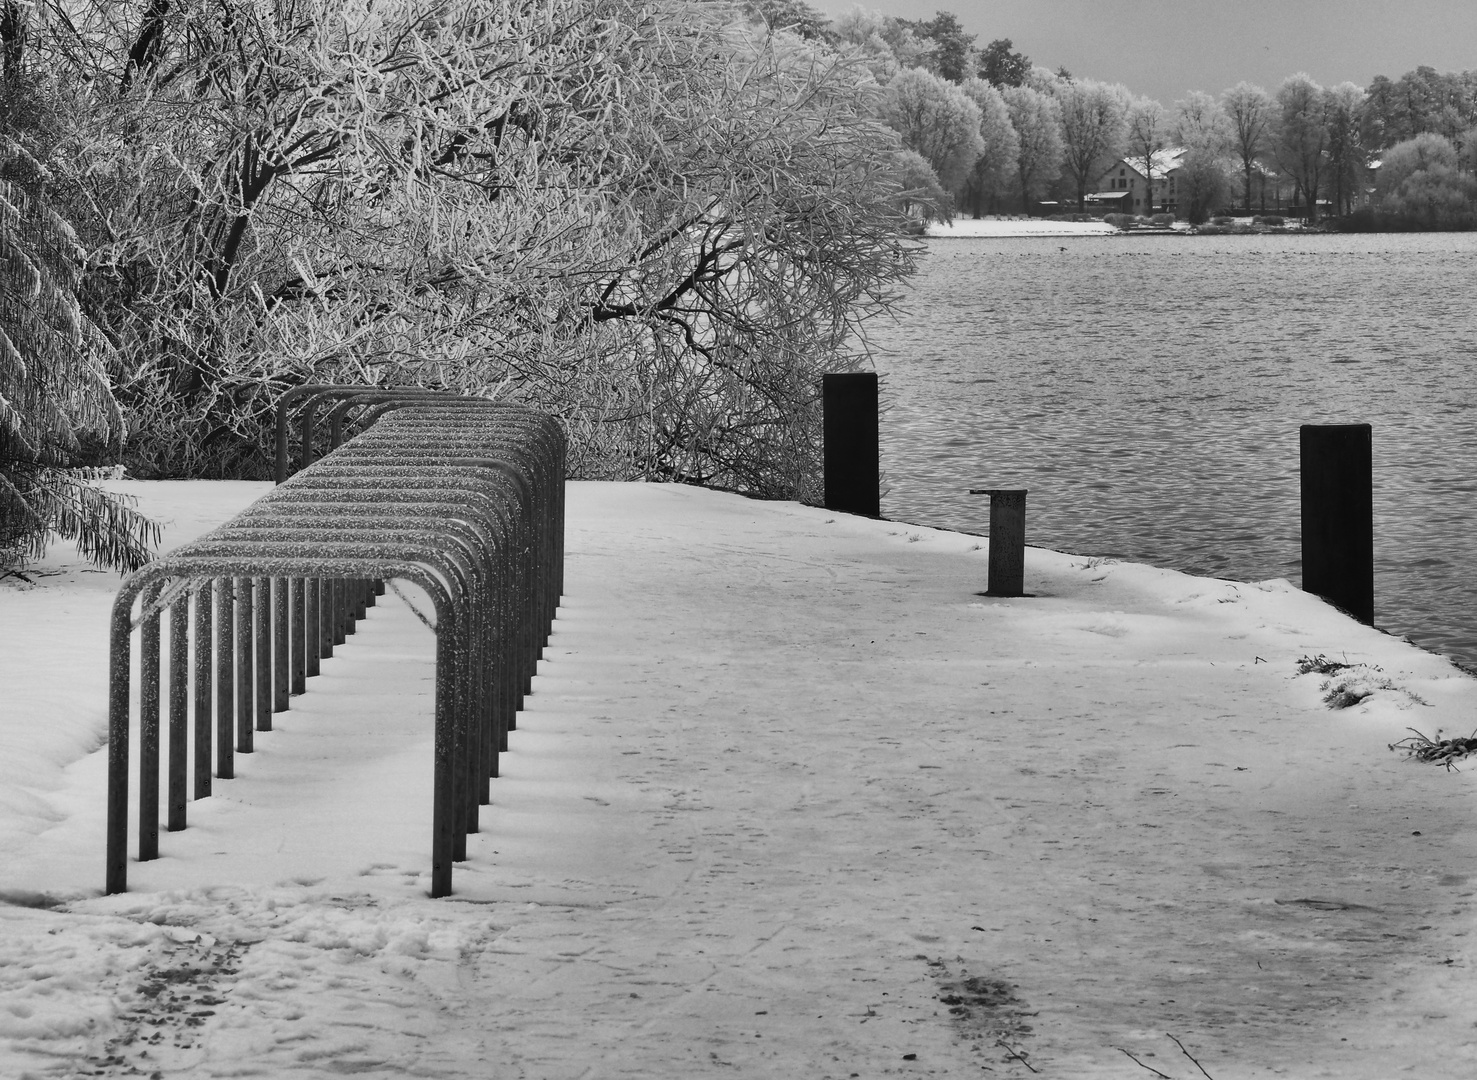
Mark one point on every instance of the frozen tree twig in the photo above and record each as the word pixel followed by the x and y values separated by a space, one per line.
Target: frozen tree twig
pixel 1016 1054
pixel 1189 1055
pixel 1136 1061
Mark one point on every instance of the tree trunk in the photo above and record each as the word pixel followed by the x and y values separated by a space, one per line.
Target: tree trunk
pixel 12 42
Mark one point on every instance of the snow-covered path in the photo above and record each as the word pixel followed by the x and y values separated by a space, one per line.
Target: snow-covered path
pixel 790 799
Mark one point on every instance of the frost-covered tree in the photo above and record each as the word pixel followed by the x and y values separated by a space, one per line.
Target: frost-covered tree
pixel 1249 111
pixel 1300 136
pixel 951 50
pixel 1200 123
pixel 1422 153
pixel 1201 126
pixel 922 196
pixel 885 44
pixel 1421 184
pixel 1043 80
pixel 1150 132
pixel 652 219
pixel 938 120
pixel 862 34
pixel 1419 101
pixel 1466 148
pixel 1205 182
pixel 1037 121
pixel 795 16
pixel 1094 132
pixel 1343 113
pixel 995 167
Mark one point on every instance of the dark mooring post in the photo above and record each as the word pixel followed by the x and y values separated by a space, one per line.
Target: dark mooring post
pixel 1338 515
pixel 1007 568
pixel 852 464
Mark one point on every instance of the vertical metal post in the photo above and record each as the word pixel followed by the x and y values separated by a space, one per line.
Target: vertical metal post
pixel 261 633
pixel 306 422
pixel 341 624
pixel 281 655
pixel 853 470
pixel 245 669
pixel 120 644
pixel 148 730
pixel 313 628
pixel 179 710
pixel 298 645
pixel 204 657
pixel 327 616
pixel 1338 515
pixel 225 680
pixel 1007 567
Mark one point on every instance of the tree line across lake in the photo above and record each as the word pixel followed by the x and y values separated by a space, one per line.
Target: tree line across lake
pixel 660 220
pixel 994 132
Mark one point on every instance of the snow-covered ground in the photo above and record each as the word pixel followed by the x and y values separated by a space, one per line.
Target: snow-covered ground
pixel 790 799
pixel 1017 226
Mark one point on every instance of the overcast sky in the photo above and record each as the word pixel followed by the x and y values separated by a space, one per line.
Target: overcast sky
pixel 1163 48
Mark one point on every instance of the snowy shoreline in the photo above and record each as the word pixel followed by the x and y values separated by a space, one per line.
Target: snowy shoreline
pixel 974 228
pixel 964 228
pixel 790 798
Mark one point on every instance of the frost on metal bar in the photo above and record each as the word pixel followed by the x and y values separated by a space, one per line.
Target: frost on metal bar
pixel 462 497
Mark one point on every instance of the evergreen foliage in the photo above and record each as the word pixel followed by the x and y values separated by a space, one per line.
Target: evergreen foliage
pixel 951 48
pixel 1001 66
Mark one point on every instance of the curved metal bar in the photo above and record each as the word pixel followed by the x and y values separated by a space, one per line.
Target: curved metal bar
pixel 222 567
pixel 460 496
pixel 316 394
pixel 337 417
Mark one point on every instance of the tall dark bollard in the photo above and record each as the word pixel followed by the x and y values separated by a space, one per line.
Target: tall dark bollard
pixel 852 463
pixel 1338 515
pixel 1007 567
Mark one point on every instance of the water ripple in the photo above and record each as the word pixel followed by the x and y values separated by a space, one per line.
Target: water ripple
pixel 1149 392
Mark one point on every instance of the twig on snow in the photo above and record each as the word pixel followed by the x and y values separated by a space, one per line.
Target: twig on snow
pixel 1017 1055
pixel 1136 1061
pixel 1190 1056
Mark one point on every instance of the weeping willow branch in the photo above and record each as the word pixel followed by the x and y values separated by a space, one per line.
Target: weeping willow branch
pixel 56 405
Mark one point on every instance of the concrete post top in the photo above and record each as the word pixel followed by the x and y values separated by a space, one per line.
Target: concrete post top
pixel 992 492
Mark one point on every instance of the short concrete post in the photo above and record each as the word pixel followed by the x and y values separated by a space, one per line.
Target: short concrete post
pixel 1007 568
pixel 1338 515
pixel 852 463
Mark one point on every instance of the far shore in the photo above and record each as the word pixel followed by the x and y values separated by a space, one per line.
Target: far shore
pixel 1003 226
pixel 964 227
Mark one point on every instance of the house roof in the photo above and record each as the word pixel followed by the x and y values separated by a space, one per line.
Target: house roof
pixel 1162 162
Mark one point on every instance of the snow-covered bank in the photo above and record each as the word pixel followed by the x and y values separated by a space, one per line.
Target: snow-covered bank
pixel 1005 226
pixel 789 799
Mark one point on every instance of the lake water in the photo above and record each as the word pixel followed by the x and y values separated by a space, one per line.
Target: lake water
pixel 1148 392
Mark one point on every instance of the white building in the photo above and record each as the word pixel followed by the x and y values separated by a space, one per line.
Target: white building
pixel 1135 191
